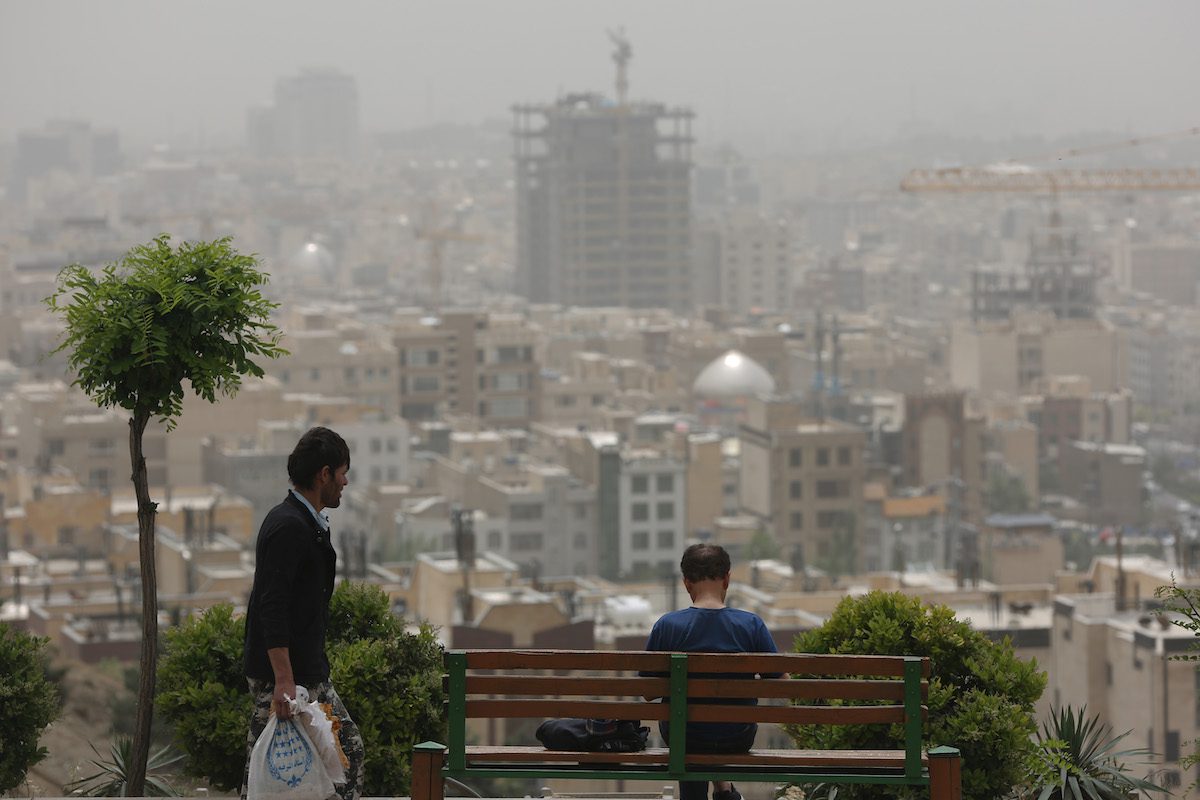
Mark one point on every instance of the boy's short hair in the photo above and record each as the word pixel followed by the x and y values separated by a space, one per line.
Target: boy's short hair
pixel 318 448
pixel 704 562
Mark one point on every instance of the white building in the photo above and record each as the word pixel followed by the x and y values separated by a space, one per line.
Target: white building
pixel 652 512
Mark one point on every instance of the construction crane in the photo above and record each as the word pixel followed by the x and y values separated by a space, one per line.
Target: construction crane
pixel 1013 176
pixel 437 238
pixel 1008 179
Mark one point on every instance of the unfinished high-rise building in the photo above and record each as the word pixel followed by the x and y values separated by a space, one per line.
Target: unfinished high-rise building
pixel 1059 276
pixel 604 199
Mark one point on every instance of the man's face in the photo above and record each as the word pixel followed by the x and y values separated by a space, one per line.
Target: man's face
pixel 332 483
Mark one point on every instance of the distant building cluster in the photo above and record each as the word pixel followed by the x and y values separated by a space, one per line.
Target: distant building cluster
pixel 562 352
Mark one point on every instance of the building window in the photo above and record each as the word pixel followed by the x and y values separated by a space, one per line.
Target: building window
pixel 526 511
pixel 349 373
pixel 376 445
pixel 665 483
pixel 844 456
pixel 66 536
pixel 641 540
pixel 829 519
pixel 795 490
pixel 822 456
pixel 639 484
pixel 581 541
pixel 392 444
pixel 831 489
pixel 665 540
pixel 581 510
pixel 55 447
pixel 665 511
pixel 640 512
pixel 425 383
pixel 525 542
pixel 493 540
pixel 376 474
pixel 795 457
pixel 101 447
pixel 797 521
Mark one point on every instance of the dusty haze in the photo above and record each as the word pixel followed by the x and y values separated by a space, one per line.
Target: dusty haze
pixel 766 75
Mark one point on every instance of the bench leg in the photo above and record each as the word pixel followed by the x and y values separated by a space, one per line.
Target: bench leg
pixel 427 762
pixel 945 774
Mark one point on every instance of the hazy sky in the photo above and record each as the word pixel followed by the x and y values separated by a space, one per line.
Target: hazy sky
pixel 760 74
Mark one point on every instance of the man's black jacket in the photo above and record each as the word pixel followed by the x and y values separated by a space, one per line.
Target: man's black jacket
pixel 289 603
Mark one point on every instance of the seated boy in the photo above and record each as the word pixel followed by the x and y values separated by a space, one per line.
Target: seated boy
pixel 708 626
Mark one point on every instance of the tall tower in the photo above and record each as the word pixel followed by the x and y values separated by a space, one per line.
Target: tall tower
pixel 604 199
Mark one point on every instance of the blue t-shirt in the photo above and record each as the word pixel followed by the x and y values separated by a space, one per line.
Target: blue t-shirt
pixel 712 630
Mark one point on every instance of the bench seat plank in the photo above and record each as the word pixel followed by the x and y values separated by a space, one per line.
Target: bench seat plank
pixel 659 755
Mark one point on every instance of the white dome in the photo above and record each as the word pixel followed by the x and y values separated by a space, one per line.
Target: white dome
pixel 733 375
pixel 313 258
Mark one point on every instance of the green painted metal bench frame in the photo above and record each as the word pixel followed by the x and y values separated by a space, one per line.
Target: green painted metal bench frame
pixel 939 768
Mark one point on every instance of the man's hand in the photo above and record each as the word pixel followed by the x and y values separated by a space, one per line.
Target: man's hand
pixel 285 683
pixel 284 691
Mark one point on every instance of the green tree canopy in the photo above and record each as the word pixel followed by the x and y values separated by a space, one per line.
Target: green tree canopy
pixel 134 334
pixel 1006 494
pixel 981 695
pixel 28 704
pixel 161 316
pixel 389 679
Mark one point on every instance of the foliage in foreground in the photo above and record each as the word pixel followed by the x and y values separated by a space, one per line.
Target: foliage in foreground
pixel 134 334
pixel 1185 603
pixel 28 704
pixel 112 777
pixel 981 695
pixel 1077 759
pixel 389 679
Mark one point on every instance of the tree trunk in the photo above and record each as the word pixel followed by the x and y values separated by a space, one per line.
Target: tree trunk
pixel 136 769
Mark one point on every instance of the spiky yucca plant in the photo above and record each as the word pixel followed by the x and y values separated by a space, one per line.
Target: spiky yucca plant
pixel 1079 760
pixel 112 780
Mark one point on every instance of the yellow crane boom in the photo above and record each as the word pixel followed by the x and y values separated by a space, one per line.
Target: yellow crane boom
pixel 1016 179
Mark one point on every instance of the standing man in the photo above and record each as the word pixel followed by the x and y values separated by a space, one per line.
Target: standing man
pixel 295 564
pixel 708 626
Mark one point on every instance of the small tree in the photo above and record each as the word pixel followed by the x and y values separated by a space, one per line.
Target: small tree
pixel 981 695
pixel 762 545
pixel 1006 494
pixel 389 679
pixel 1185 603
pixel 161 316
pixel 28 704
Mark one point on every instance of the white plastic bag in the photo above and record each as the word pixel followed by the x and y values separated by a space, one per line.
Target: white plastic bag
pixel 320 729
pixel 284 765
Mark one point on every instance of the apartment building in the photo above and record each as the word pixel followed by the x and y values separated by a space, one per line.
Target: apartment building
pixel 803 477
pixel 468 362
pixel 1008 356
pixel 755 270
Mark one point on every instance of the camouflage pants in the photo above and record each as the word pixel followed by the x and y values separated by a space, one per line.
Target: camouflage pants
pixel 352 743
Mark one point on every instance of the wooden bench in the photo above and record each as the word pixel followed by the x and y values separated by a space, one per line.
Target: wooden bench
pixel 505 684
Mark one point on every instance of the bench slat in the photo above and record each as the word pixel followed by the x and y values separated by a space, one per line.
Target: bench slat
pixel 608 660
pixel 579 686
pixel 607 709
pixel 638 660
pixel 801 664
pixel 801 689
pixel 659 755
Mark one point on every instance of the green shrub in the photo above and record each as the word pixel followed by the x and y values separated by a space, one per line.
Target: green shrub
pixel 981 695
pixel 28 704
pixel 202 692
pixel 389 679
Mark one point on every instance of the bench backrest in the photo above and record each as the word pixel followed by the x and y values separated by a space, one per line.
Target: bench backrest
pixel 895 685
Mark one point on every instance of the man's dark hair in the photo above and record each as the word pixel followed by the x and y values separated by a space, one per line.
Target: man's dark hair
pixel 704 562
pixel 317 449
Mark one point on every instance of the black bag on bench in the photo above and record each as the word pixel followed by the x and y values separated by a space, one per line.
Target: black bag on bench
pixel 593 735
